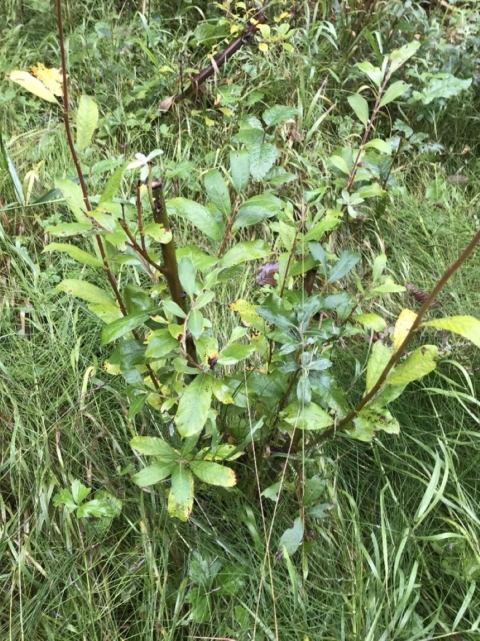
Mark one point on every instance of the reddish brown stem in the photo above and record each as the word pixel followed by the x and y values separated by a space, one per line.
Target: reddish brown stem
pixel 66 119
pixel 220 60
pixel 345 422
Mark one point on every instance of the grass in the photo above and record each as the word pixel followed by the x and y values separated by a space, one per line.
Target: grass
pixel 397 558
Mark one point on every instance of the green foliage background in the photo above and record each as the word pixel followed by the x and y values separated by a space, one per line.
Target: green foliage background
pixel 394 549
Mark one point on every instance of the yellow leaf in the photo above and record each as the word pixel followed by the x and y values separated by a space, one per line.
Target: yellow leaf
pixel 51 78
pixel 33 85
pixel 402 327
pixel 263 47
pixel 226 111
pixel 264 30
pixel 209 122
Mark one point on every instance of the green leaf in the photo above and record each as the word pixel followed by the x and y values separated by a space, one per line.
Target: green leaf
pixel 371 420
pixel 68 229
pixel 195 323
pixel 278 113
pixel 213 473
pixel 222 452
pixel 442 85
pixel 466 326
pixel 292 538
pixel 340 163
pixel 287 235
pixel 421 362
pixel 180 498
pixel 73 196
pixel 187 273
pixel 99 508
pixel 64 497
pixel 172 308
pixel 371 321
pixel 74 252
pixel 304 391
pixel 158 233
pixel 106 313
pixel 87 121
pixel 123 326
pixel 262 159
pixel 85 291
pixel 198 215
pixel 244 251
pixel 154 473
pixel 160 344
pixel 240 169
pixel 113 183
pixel 153 446
pixel 380 145
pixel 79 491
pixel 331 220
pixel 257 209
pixel 394 92
pixel 272 491
pixel 194 406
pixel 217 191
pixel 222 393
pixel 136 405
pixel 7 165
pixel 232 354
pixel 377 362
pixel 306 417
pixel 360 107
pixel 136 299
pixel 374 73
pixel 204 298
pixel 379 265
pixel 344 264
pixel 399 57
pixel 387 288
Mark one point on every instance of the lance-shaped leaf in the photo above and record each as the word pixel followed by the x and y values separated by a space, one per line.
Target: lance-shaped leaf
pixel 371 321
pixel 394 92
pixel 377 362
pixel 217 191
pixel 213 473
pixel 199 216
pixel 180 498
pixel 292 538
pixel 371 420
pixel 85 291
pixel 402 327
pixel 240 169
pixel 344 264
pixel 466 326
pixel 73 197
pixel 245 251
pixel 153 446
pixel 160 344
pixel 306 417
pixel 360 107
pixel 113 183
pixel 74 252
pixel 155 473
pixel 87 121
pixel 421 362
pixel 33 85
pixel 234 353
pixel 256 209
pixel 124 325
pixel 68 229
pixel 194 406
